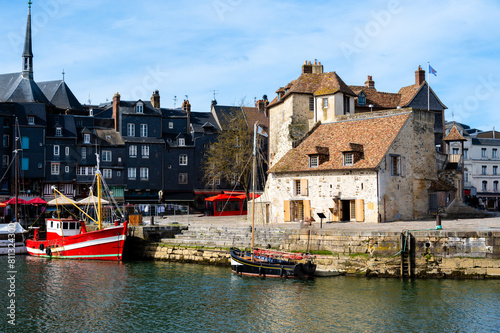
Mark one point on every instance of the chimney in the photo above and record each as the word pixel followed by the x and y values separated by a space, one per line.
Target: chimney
pixel 370 83
pixel 187 107
pixel 116 111
pixel 155 99
pixel 419 76
pixel 317 68
pixel 307 68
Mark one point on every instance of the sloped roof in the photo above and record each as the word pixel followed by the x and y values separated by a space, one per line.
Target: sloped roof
pixel 318 84
pixel 454 135
pixel 376 135
pixel 224 115
pixel 201 119
pixel 60 95
pixel 16 88
pixel 253 115
pixel 109 137
pixel 377 98
pixel 67 122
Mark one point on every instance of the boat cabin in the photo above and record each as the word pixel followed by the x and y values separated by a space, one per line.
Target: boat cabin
pixel 57 228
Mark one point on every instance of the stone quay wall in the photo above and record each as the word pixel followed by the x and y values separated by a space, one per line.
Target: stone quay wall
pixel 433 253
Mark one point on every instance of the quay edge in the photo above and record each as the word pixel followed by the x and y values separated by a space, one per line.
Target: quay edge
pixel 434 253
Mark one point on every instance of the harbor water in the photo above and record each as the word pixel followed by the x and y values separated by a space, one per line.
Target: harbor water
pixel 92 296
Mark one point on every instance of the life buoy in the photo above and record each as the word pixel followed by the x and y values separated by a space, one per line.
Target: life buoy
pixel 41 247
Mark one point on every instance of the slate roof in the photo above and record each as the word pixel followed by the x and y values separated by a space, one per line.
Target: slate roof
pixel 16 88
pixel 23 110
pixel 201 120
pixel 375 135
pixel 224 114
pixel 59 94
pixel 67 122
pixel 318 84
pixel 485 142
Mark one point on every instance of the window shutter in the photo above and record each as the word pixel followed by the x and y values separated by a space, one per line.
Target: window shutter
pixel 303 187
pixel 286 210
pixel 403 167
pixel 360 210
pixel 307 209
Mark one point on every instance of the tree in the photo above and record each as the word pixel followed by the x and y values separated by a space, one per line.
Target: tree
pixel 229 157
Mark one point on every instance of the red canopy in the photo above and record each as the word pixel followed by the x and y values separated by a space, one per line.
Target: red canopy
pixel 37 201
pixel 12 201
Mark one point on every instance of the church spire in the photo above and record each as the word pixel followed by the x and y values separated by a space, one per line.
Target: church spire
pixel 28 52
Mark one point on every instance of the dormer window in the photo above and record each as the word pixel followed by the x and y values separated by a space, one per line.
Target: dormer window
pixel 313 161
pixel 86 138
pixel 58 131
pixel 182 142
pixel 317 156
pixel 352 153
pixel 348 159
pixel 361 98
pixel 31 120
pixel 139 108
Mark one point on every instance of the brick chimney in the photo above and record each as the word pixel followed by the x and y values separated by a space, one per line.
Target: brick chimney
pixel 262 104
pixel 187 107
pixel 155 99
pixel 370 83
pixel 419 76
pixel 307 68
pixel 116 111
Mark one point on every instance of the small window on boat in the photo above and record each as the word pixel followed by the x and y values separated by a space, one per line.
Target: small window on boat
pixel 57 225
pixel 52 224
pixel 65 225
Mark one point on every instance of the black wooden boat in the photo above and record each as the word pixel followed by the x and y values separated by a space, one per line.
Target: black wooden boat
pixel 271 264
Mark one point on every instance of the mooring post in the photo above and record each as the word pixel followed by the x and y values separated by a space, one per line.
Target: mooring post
pixel 438 222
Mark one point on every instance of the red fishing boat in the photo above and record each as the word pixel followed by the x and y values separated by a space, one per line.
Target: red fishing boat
pixel 69 238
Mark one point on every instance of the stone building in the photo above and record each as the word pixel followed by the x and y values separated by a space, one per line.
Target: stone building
pixel 318 96
pixel 367 167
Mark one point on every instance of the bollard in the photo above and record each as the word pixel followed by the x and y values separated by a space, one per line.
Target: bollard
pixel 438 222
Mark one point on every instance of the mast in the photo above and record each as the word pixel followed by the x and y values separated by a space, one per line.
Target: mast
pixel 16 175
pixel 99 204
pixel 253 179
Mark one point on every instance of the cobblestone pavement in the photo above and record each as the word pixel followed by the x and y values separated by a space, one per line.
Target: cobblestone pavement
pixel 482 224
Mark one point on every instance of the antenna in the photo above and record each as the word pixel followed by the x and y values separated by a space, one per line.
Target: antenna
pixel 90 101
pixel 63 74
pixel 187 98
pixel 175 101
pixel 214 92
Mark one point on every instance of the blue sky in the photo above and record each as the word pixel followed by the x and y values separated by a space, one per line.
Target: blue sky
pixel 245 49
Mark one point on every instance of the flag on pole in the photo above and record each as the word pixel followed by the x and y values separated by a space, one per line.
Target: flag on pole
pixel 432 71
pixel 261 131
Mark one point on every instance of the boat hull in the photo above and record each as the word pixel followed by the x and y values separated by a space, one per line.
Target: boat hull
pixel 105 244
pixel 280 269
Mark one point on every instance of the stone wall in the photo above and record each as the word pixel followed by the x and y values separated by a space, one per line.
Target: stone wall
pixel 435 253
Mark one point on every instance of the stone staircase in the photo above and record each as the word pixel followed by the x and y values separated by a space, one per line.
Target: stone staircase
pixel 229 236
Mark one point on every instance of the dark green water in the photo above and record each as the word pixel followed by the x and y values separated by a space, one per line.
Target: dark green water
pixel 84 296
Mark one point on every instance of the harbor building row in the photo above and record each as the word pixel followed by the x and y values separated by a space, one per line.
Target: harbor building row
pixel 148 154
